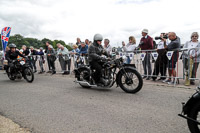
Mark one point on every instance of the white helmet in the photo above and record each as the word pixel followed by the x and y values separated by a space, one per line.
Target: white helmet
pixel 98 37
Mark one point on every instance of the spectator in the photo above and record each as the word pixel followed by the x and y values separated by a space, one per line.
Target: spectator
pixel 26 51
pixel 64 59
pixel 130 47
pixel 194 56
pixel 84 51
pixel 46 51
pixel 51 56
pixel 33 58
pixel 146 43
pixel 172 46
pixel 107 46
pixel 161 62
pixel 75 52
pixel 41 60
pixel 87 42
pixel 78 42
pixel 75 49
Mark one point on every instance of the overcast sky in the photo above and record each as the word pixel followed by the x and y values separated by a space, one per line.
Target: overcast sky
pixel 114 19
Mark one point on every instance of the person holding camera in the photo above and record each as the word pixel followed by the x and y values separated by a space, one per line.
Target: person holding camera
pixel 130 47
pixel 174 45
pixel 160 64
pixel 146 43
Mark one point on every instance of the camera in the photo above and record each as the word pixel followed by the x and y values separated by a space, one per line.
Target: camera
pixel 159 38
pixel 141 43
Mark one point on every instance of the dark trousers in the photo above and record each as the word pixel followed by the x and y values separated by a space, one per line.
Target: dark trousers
pixel 63 63
pixel 52 65
pixel 33 64
pixel 147 64
pixel 98 67
pixel 41 65
pixel 161 68
pixel 48 62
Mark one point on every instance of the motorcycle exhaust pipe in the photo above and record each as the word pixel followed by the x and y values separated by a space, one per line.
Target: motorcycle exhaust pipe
pixel 85 83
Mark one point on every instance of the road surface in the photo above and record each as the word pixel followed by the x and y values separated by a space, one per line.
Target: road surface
pixel 55 104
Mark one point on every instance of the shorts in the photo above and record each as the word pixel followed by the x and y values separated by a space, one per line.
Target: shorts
pixel 171 64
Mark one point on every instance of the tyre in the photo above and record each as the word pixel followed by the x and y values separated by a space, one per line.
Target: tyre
pixel 84 76
pixel 194 114
pixel 9 74
pixel 28 75
pixel 11 77
pixel 132 83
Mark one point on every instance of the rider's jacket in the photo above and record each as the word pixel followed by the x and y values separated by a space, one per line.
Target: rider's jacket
pixel 13 55
pixel 95 51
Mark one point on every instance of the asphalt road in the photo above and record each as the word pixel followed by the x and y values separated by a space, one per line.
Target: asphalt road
pixel 55 104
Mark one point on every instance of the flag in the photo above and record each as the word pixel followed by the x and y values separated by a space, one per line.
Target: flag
pixel 5 34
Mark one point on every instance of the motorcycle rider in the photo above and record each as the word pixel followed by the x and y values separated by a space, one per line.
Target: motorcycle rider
pixel 96 60
pixel 12 54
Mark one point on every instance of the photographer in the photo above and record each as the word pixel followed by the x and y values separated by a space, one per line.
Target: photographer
pixel 146 43
pixel 172 46
pixel 160 64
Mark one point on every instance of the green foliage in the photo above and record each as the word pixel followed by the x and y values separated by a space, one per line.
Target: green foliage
pixel 19 40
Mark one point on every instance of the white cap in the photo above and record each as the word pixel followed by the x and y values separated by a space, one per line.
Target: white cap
pixel 145 31
pixel 50 46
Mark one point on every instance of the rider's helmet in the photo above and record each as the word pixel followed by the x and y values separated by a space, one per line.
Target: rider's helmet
pixel 98 37
pixel 12 45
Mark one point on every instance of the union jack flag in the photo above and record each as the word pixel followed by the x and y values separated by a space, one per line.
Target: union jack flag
pixel 5 34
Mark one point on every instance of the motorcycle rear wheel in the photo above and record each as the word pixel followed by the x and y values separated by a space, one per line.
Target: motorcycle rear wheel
pixel 84 73
pixel 194 114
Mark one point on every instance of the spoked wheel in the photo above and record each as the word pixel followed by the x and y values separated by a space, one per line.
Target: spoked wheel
pixel 130 81
pixel 28 75
pixel 84 76
pixel 195 115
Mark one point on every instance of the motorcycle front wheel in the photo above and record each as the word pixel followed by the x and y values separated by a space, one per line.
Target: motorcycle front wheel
pixel 130 80
pixel 195 115
pixel 28 75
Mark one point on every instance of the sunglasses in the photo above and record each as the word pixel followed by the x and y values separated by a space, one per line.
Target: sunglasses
pixel 194 36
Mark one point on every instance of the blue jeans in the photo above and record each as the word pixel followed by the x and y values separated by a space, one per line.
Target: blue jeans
pixel 128 60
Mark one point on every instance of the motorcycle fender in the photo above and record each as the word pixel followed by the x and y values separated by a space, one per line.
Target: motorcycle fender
pixel 189 104
pixel 121 70
pixel 130 65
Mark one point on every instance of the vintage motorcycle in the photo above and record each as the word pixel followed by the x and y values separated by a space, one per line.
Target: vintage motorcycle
pixel 191 112
pixel 19 69
pixel 125 76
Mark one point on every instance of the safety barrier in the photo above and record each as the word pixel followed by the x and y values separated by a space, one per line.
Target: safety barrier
pixel 157 61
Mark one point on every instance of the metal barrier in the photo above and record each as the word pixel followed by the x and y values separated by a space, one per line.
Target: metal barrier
pixel 157 61
pixel 193 64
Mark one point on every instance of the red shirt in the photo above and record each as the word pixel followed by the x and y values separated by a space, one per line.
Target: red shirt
pixel 148 43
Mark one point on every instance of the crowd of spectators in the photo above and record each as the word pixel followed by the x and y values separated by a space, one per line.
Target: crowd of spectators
pixel 167 42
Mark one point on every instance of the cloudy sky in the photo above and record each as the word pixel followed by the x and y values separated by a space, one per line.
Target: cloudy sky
pixel 114 19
